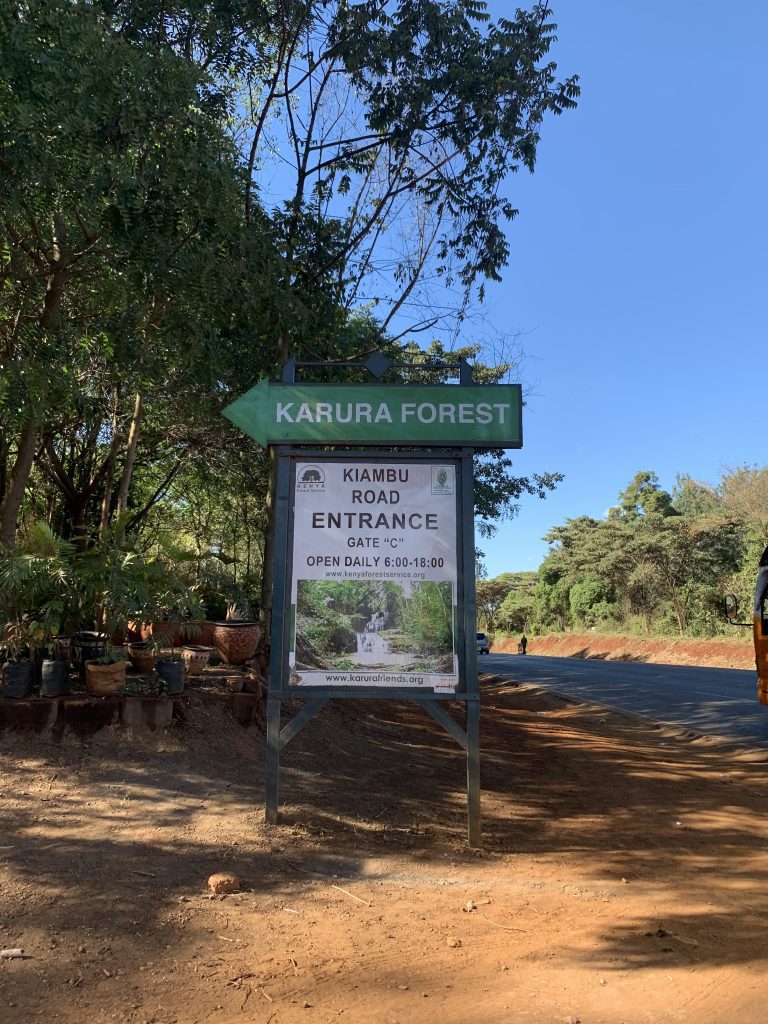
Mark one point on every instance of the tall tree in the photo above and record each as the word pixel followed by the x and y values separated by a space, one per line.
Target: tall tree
pixel 124 244
pixel 396 125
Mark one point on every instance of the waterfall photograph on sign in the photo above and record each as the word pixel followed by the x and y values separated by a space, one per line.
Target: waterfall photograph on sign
pixel 404 626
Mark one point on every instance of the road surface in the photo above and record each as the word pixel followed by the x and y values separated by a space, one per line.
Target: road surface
pixel 716 701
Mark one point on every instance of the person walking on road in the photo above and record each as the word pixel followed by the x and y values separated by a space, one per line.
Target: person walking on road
pixel 523 644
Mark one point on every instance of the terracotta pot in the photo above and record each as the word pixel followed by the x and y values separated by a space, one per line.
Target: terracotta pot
pixel 62 648
pixel 141 656
pixel 195 658
pixel 168 634
pixel 104 680
pixel 236 641
pixel 199 633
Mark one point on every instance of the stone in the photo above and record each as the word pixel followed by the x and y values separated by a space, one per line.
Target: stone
pixel 453 943
pixel 224 882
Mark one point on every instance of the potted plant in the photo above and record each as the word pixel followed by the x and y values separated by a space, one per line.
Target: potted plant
pixel 17 667
pixel 54 672
pixel 107 581
pixel 196 657
pixel 142 655
pixel 170 668
pixel 88 645
pixel 105 676
pixel 116 585
pixel 237 635
pixel 236 640
pixel 176 612
pixel 35 584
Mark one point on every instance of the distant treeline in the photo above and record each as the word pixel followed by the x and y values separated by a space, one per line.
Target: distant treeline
pixel 659 562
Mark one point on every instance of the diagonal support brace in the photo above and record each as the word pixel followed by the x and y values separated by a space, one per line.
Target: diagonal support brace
pixel 297 723
pixel 441 716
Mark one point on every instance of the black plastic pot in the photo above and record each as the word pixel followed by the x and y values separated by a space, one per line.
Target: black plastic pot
pixel 87 646
pixel 54 678
pixel 17 679
pixel 172 674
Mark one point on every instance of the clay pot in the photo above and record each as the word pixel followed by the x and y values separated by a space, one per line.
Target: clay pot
pixel 62 648
pixel 199 633
pixel 167 634
pixel 141 656
pixel 236 641
pixel 104 680
pixel 196 657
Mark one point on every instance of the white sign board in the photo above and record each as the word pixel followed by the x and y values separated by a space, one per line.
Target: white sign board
pixel 374 576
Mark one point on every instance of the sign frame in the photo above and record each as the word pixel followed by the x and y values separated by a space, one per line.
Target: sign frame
pixel 285 624
pixel 315 697
pixel 285 455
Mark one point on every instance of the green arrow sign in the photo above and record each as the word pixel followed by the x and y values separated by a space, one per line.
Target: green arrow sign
pixel 478 415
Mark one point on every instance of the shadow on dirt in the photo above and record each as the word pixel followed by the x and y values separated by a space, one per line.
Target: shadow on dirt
pixel 117 832
pixel 585 654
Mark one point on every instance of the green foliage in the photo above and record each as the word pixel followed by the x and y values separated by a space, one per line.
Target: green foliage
pixel 506 602
pixel 657 562
pixel 515 613
pixel 36 587
pixel 643 496
pixel 331 615
pixel 144 284
pixel 49 587
pixel 429 619
pixel 589 602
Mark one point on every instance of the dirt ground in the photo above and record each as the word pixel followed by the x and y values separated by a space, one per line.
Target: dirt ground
pixel 623 877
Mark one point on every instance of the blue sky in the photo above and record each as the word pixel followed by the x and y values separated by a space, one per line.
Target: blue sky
pixel 638 269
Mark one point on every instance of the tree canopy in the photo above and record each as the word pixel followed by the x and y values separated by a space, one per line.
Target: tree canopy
pixel 192 191
pixel 659 561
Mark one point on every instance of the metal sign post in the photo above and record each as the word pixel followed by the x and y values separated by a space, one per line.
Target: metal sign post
pixel 376 538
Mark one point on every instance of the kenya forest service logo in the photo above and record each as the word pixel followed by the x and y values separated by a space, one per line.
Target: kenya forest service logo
pixel 310 479
pixel 442 479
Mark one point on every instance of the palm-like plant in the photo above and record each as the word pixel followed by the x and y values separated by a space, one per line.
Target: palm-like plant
pixel 116 585
pixel 47 586
pixel 35 590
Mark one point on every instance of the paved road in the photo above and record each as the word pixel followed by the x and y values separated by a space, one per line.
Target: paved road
pixel 708 700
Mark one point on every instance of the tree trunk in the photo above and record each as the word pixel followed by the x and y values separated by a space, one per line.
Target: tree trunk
pixel 130 458
pixel 109 474
pixel 681 611
pixel 11 502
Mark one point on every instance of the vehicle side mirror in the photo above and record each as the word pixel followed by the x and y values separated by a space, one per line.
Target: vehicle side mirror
pixel 731 606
